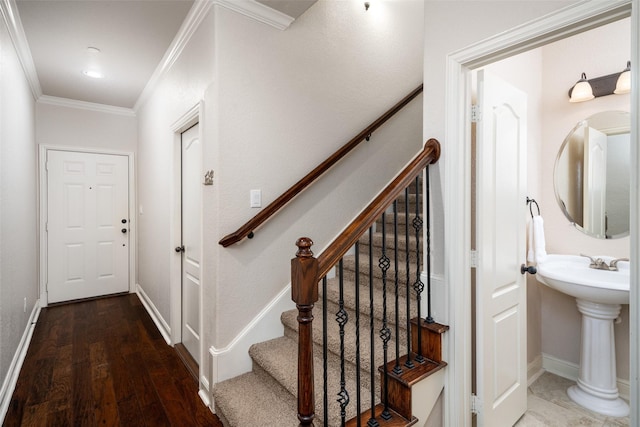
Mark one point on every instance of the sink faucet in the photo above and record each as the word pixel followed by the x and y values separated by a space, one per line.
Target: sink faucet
pixel 600 264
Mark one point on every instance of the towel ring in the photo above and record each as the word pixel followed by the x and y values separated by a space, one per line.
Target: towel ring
pixel 530 202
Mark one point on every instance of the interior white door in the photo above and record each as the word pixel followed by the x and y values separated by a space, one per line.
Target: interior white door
pixel 595 176
pixel 87 225
pixel 500 238
pixel 191 239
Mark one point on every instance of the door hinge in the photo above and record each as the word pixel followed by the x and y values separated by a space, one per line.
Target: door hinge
pixel 476 114
pixel 46 226
pixel 473 258
pixel 476 404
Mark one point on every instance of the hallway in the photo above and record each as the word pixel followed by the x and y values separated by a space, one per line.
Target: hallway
pixel 103 362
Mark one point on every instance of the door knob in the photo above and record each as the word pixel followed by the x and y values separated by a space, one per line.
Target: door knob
pixel 179 249
pixel 531 269
pixel 124 230
pixel 124 221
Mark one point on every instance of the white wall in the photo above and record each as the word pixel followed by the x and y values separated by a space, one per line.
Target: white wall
pixel 286 101
pixel 18 254
pixel 81 128
pixel 276 104
pixel 599 52
pixel 180 90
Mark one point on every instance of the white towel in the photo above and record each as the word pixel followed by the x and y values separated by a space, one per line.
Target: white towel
pixel 537 251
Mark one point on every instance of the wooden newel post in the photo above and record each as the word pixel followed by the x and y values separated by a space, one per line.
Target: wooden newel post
pixel 304 292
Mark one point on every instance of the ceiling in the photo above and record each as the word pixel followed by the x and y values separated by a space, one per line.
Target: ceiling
pixel 132 37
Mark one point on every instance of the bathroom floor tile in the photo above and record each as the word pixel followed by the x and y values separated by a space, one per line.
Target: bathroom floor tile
pixel 549 405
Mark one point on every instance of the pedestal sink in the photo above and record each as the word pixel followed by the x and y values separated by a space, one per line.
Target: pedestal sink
pixel 599 295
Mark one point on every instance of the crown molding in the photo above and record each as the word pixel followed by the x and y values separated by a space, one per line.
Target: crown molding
pixel 258 11
pixel 194 18
pixel 9 11
pixel 83 105
pixel 196 15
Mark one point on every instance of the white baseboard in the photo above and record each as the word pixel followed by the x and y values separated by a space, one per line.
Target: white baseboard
pixel 534 370
pixel 204 392
pixel 233 359
pixel 571 371
pixel 10 380
pixel 157 318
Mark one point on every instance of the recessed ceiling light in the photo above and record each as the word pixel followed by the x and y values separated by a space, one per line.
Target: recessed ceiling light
pixel 92 49
pixel 93 74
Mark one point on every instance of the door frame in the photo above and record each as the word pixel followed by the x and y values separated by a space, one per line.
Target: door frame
pixel 563 23
pixel 188 119
pixel 43 239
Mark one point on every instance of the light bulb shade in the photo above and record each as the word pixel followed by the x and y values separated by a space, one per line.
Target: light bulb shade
pixel 582 90
pixel 623 85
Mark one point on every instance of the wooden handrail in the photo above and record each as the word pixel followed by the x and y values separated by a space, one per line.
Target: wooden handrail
pixel 307 271
pixel 249 227
pixel 341 244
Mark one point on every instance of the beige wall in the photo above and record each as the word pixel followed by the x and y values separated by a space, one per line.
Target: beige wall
pixel 599 52
pixel 546 74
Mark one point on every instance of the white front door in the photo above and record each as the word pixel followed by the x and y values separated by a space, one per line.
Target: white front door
pixel 192 178
pixel 87 225
pixel 500 233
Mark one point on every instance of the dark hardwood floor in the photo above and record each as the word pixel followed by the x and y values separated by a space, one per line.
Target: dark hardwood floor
pixel 103 362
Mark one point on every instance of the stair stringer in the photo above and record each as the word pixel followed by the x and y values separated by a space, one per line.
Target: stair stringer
pixel 233 359
pixel 424 395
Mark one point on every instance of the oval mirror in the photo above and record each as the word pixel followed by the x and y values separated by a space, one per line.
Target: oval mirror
pixel 591 175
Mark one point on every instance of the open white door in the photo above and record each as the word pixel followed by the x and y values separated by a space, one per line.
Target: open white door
pixel 500 235
pixel 595 189
pixel 191 239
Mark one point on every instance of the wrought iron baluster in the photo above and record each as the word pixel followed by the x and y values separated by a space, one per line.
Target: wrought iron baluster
pixel 357 298
pixel 385 334
pixel 418 286
pixel 342 317
pixel 372 419
pixel 427 256
pixel 396 369
pixel 325 397
pixel 408 363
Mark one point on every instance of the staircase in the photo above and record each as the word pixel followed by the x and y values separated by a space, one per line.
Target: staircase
pixel 267 396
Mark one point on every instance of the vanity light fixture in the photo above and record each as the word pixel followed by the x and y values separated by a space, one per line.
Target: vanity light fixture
pixel 581 91
pixel 616 83
pixel 623 85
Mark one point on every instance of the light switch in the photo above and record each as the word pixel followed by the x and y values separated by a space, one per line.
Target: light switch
pixel 256 198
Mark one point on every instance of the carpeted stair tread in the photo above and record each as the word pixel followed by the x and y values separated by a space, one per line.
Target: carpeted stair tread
pixel 377 246
pixel 266 396
pixel 289 320
pixel 349 268
pixel 278 358
pixel 349 299
pixel 247 400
